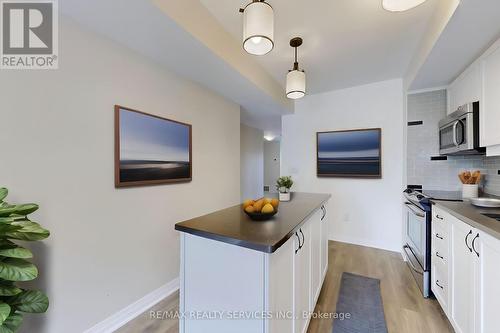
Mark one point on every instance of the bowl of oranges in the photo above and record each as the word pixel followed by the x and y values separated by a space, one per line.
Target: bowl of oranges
pixel 261 209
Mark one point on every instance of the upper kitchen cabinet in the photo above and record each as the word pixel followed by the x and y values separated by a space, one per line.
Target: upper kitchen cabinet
pixel 490 117
pixel 481 82
pixel 466 88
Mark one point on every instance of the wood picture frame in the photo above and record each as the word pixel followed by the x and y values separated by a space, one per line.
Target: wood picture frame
pixel 340 161
pixel 131 170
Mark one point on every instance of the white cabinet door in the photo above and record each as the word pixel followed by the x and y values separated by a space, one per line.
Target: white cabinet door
pixel 462 284
pixel 324 241
pixel 281 270
pixel 490 106
pixel 465 89
pixel 302 273
pixel 487 283
pixel 315 228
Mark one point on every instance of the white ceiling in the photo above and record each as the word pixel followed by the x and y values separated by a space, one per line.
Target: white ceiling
pixel 473 27
pixel 143 27
pixel 346 42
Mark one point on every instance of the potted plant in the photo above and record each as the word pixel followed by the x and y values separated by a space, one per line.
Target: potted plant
pixel 14 266
pixel 283 185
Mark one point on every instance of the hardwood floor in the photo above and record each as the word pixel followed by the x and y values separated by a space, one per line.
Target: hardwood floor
pixel 405 308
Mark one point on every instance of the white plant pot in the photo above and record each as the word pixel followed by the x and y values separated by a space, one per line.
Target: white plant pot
pixel 285 196
pixel 470 191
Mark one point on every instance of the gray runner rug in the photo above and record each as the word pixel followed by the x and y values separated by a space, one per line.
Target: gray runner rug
pixel 360 306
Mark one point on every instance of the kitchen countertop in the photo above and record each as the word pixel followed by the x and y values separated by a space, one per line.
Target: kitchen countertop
pixel 472 215
pixel 233 226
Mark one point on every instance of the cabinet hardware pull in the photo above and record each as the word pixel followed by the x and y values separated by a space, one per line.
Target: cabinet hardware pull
pixel 437 284
pixel 439 217
pixel 466 238
pixel 439 256
pixel 298 237
pixel 303 238
pixel 324 212
pixel 474 244
pixel 439 236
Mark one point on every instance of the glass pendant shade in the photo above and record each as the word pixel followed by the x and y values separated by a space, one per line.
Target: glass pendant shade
pixel 295 84
pixel 400 5
pixel 258 28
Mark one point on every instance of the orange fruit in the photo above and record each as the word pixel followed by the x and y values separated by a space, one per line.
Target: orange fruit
pixel 258 205
pixel 249 209
pixel 267 200
pixel 275 203
pixel 247 203
pixel 268 208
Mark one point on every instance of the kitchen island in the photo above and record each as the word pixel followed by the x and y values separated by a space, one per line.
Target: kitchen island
pixel 239 275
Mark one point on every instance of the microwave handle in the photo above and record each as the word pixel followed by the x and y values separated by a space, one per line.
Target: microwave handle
pixel 455 133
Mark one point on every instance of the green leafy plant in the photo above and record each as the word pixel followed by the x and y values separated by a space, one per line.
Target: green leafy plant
pixel 14 300
pixel 284 183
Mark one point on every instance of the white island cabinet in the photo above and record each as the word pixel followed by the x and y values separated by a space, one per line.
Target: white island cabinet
pixel 241 283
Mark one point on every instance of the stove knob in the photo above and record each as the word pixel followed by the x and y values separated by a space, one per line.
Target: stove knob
pixel 420 197
pixel 408 190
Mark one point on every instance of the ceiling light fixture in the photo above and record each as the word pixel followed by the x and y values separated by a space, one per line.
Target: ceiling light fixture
pixel 295 79
pixel 269 137
pixel 400 5
pixel 258 27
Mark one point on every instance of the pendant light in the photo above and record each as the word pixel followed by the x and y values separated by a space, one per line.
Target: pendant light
pixel 258 27
pixel 400 5
pixel 295 79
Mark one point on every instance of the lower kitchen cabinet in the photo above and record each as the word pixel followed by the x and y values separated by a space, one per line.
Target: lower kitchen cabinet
pixel 474 278
pixel 462 277
pixel 487 291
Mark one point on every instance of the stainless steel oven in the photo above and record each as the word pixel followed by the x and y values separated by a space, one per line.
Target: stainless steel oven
pixel 459 132
pixel 417 244
pixel 418 233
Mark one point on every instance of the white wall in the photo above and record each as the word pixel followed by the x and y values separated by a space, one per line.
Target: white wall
pixel 361 211
pixel 108 247
pixel 252 162
pixel 271 164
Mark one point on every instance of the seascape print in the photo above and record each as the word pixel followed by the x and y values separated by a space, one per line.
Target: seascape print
pixel 152 149
pixel 353 153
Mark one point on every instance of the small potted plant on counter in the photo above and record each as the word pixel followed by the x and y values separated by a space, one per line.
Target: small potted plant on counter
pixel 283 185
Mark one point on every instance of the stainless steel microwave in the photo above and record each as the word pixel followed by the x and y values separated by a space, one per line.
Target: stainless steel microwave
pixel 459 132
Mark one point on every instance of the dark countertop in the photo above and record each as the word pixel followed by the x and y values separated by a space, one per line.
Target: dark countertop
pixel 233 226
pixel 472 215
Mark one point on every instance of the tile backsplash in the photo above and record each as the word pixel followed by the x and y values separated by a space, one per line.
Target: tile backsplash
pixel 423 143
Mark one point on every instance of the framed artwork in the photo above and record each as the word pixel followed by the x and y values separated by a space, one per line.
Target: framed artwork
pixel 351 153
pixel 150 149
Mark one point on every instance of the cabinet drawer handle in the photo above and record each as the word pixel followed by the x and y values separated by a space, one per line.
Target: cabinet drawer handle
pixel 439 236
pixel 440 286
pixel 303 238
pixel 474 245
pixel 298 237
pixel 439 217
pixel 324 212
pixel 439 256
pixel 466 240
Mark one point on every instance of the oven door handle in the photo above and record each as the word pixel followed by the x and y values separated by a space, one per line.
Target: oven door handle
pixel 408 256
pixel 411 207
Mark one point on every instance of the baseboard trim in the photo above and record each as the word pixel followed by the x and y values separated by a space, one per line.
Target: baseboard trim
pixel 366 243
pixel 135 309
